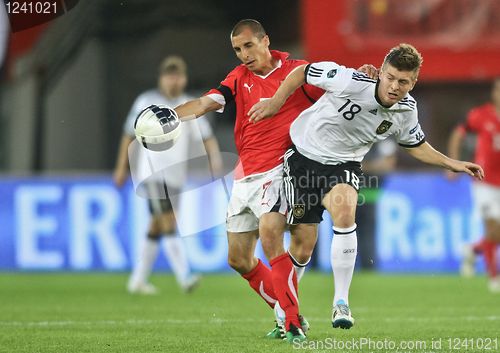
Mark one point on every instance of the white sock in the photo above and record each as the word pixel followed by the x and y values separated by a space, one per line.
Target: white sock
pixel 144 265
pixel 279 313
pixel 343 258
pixel 177 257
pixel 300 268
pixel 300 271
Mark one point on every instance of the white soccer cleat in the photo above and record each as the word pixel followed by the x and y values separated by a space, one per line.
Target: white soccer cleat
pixel 494 285
pixel 468 267
pixel 142 288
pixel 341 316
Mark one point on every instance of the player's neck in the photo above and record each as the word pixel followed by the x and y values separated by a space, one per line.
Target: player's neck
pixel 170 95
pixel 271 65
pixel 377 96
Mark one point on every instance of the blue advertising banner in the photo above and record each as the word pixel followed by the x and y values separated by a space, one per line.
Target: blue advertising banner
pixel 423 222
pixel 85 223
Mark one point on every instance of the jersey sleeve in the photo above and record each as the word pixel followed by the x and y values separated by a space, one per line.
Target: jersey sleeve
pixel 411 134
pixel 473 122
pixel 328 75
pixel 226 91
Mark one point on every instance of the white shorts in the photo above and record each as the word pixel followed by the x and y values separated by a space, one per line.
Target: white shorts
pixel 487 199
pixel 253 196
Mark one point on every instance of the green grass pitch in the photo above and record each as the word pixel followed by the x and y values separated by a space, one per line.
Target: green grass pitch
pixel 52 313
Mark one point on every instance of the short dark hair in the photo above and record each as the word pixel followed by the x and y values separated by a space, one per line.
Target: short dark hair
pixel 173 65
pixel 404 57
pixel 254 26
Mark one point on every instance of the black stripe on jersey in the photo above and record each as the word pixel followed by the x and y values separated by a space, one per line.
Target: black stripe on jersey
pixel 413 146
pixel 408 99
pixel 409 102
pixel 364 80
pixel 314 75
pixel 315 70
pixel 226 92
pixel 412 107
pixel 362 75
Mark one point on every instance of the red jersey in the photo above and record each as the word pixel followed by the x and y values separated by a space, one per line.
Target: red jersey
pixel 485 122
pixel 261 146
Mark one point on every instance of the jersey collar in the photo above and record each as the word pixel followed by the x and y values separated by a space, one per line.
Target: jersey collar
pixel 281 57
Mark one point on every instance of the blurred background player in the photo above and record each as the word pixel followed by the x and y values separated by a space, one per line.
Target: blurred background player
pixel 172 81
pixel 484 121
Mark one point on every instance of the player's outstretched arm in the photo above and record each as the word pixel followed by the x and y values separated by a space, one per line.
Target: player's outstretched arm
pixel 269 107
pixel 427 154
pixel 196 107
pixel 120 173
pixel 454 146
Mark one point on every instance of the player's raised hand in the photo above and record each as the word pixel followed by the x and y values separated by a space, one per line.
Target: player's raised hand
pixel 370 70
pixel 474 170
pixel 264 109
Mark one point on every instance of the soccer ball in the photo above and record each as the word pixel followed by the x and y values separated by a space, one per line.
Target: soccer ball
pixel 157 127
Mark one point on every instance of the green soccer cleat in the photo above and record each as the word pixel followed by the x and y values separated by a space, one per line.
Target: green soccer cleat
pixel 304 323
pixel 294 334
pixel 277 333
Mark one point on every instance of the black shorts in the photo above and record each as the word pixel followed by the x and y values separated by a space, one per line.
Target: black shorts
pixel 306 183
pixel 159 205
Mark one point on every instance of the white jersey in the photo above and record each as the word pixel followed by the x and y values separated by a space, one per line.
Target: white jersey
pixel 345 122
pixel 194 132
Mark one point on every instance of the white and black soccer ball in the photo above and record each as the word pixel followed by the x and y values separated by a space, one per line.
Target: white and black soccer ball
pixel 157 127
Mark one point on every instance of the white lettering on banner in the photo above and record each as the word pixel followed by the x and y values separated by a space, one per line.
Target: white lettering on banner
pixel 100 227
pixel 407 233
pixel 430 235
pixel 31 226
pixel 395 215
pixel 139 218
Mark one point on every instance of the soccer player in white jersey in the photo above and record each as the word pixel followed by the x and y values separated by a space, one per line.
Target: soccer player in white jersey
pixel 322 169
pixel 172 81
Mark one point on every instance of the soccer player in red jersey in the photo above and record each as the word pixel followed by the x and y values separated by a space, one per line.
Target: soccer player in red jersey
pixel 257 205
pixel 484 121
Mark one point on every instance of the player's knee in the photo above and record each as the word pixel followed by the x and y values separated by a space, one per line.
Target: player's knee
pixel 301 255
pixel 344 218
pixel 239 264
pixel 271 227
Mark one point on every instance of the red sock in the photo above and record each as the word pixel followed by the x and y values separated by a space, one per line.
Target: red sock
pixel 261 281
pixel 285 287
pixel 490 256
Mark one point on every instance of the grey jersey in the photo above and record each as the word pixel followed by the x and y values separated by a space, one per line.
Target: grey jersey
pixel 345 122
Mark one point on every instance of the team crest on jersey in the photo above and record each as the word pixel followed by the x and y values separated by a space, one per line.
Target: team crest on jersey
pixel 383 127
pixel 299 209
pixel 331 73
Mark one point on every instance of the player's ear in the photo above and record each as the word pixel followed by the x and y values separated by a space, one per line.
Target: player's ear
pixel 266 40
